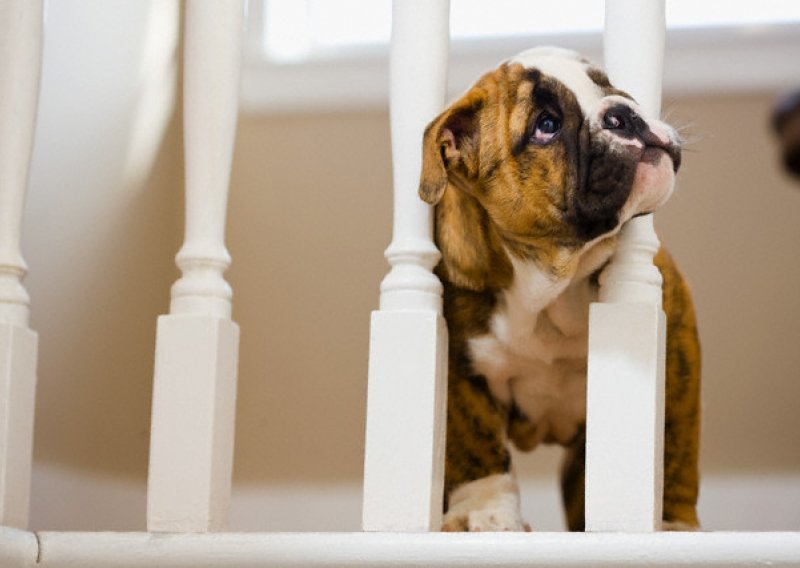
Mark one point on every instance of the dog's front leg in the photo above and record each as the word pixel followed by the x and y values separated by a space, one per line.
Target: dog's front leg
pixel 481 492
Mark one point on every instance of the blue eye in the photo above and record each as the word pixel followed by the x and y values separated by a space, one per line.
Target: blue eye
pixel 547 126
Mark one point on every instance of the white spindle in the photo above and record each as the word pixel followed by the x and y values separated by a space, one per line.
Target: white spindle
pixel 20 69
pixel 625 422
pixel 194 393
pixel 404 456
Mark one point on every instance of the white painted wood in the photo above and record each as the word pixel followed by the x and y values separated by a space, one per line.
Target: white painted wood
pixel 404 454
pixel 634 60
pixel 18 348
pixel 418 75
pixel 212 62
pixel 633 49
pixel 287 550
pixel 406 413
pixel 18 548
pixel 632 276
pixel 192 432
pixel 20 70
pixel 624 453
pixel 625 398
pixel 197 345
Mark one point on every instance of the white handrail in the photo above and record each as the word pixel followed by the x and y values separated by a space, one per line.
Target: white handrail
pixel 194 397
pixel 20 70
pixel 197 346
pixel 442 550
pixel 404 454
pixel 627 335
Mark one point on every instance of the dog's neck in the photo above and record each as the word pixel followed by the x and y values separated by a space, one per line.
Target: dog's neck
pixel 539 303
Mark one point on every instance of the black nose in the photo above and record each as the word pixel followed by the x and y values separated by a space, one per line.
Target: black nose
pixel 624 121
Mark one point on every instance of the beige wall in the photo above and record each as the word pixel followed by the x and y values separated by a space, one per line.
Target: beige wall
pixel 734 226
pixel 309 218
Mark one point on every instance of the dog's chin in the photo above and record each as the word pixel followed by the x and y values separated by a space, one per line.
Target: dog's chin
pixel 653 183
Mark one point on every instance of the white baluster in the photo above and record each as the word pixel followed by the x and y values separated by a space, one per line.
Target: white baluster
pixel 625 422
pixel 194 393
pixel 20 69
pixel 404 456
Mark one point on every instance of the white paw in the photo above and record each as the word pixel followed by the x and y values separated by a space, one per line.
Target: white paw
pixel 488 504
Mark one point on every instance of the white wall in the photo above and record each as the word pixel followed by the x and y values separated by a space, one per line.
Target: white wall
pixel 101 226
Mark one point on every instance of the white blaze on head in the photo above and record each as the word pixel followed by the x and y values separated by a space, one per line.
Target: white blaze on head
pixel 569 68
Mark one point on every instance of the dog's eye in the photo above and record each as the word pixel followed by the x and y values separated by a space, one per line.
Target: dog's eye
pixel 547 126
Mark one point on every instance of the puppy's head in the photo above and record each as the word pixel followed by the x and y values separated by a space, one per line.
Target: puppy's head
pixel 541 157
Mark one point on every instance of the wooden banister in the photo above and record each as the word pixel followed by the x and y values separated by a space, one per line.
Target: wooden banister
pixel 627 333
pixel 404 454
pixel 197 345
pixel 20 69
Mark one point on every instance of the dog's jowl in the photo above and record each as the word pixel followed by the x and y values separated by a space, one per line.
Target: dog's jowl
pixel 533 171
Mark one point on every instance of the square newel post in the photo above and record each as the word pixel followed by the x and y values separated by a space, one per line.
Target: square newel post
pixel 20 70
pixel 627 331
pixel 404 455
pixel 197 344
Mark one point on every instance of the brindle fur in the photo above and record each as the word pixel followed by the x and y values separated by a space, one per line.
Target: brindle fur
pixel 682 414
pixel 493 199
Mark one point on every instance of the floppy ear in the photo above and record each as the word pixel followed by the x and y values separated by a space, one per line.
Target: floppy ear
pixel 450 144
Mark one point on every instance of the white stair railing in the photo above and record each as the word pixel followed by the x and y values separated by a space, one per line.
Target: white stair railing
pixel 197 346
pixel 20 69
pixel 404 454
pixel 627 332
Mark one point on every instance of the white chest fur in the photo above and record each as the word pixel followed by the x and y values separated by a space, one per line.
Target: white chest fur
pixel 535 352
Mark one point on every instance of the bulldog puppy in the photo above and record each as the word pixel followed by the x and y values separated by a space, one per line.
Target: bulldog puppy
pixel 533 171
